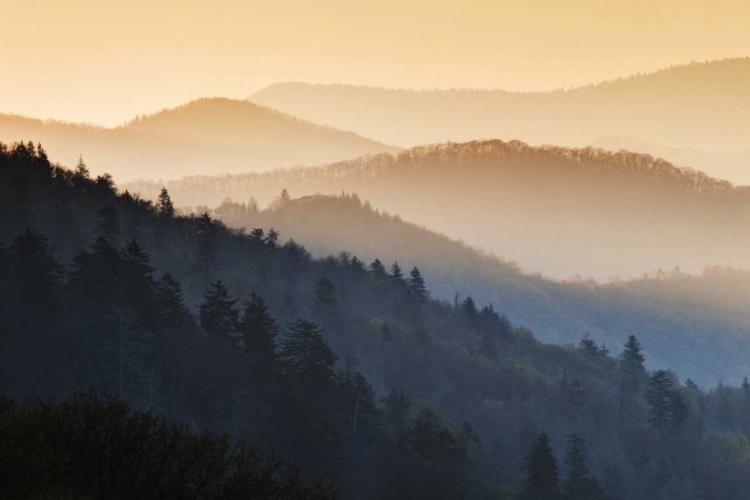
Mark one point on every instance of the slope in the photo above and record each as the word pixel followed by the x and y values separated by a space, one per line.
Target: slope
pixel 560 211
pixel 701 104
pixel 206 135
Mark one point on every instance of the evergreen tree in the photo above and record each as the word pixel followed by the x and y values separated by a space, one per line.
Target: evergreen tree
pixel 258 330
pixel 170 303
pixel 540 468
pixel 632 357
pixel 579 484
pixel 587 347
pixel 356 265
pixel 377 270
pixel 81 172
pixel 469 308
pixel 416 286
pixel 137 279
pixel 204 261
pixel 218 315
pixel 164 205
pixel 306 357
pixel 396 274
pixel 423 436
pixel 325 291
pixel 659 395
pixel 109 225
pixel 397 405
pixel 35 273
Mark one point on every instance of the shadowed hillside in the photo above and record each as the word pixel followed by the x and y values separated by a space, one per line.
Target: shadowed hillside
pixel 349 370
pixel 203 136
pixel 696 324
pixel 556 210
pixel 701 104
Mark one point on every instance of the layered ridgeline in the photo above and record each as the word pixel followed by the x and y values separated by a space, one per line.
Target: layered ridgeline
pixel 557 210
pixel 697 324
pixel 206 135
pixel 349 369
pixel 732 165
pixel 700 104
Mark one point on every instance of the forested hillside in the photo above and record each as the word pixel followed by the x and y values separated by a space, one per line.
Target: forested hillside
pixel 205 135
pixel 349 369
pixel 697 324
pixel 695 105
pixel 732 165
pixel 560 211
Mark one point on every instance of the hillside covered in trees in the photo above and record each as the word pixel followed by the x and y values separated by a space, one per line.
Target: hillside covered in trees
pixel 696 105
pixel 202 136
pixel 732 165
pixel 697 324
pixel 348 369
pixel 555 210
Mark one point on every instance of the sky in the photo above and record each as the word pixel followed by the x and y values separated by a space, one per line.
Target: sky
pixel 105 61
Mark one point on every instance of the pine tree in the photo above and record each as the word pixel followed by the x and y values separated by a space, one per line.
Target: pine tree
pixel 416 286
pixel 356 265
pixel 540 467
pixel 258 330
pixel 469 308
pixel 325 291
pixel 109 225
pixel 659 397
pixel 81 172
pixel 218 315
pixel 423 435
pixel 35 273
pixel 272 238
pixel 397 405
pixel 306 358
pixel 632 357
pixel 588 348
pixel 170 303
pixel 579 484
pixel 164 205
pixel 377 270
pixel 137 284
pixel 397 276
pixel 204 261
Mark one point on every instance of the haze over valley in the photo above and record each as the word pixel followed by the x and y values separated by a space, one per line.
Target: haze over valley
pixel 402 250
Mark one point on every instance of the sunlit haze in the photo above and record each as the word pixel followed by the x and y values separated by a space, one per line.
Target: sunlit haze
pixel 105 61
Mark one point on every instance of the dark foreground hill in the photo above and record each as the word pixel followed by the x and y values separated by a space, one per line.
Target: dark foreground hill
pixel 696 105
pixel 348 369
pixel 559 211
pixel 203 136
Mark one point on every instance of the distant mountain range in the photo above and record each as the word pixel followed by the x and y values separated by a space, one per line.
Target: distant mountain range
pixel 203 136
pixel 697 105
pixel 557 210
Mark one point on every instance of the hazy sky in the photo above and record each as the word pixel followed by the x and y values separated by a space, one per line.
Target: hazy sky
pixel 104 61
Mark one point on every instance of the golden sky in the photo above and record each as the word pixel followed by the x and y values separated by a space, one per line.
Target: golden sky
pixel 105 61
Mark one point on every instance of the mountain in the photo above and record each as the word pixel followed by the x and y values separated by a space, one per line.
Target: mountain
pixel 352 372
pixel 697 324
pixel 696 105
pixel 560 211
pixel 203 136
pixel 732 165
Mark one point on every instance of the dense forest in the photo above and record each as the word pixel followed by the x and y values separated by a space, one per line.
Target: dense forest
pixel 559 211
pixel 238 135
pixel 694 323
pixel 695 105
pixel 347 369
